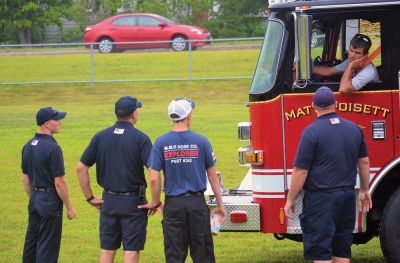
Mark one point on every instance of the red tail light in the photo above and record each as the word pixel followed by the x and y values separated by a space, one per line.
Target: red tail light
pixel 238 216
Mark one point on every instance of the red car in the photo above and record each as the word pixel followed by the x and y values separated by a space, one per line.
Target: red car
pixel 144 27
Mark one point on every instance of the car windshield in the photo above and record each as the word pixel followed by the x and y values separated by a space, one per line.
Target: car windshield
pixel 265 75
pixel 166 19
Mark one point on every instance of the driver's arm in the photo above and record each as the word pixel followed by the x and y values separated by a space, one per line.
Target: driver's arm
pixel 324 71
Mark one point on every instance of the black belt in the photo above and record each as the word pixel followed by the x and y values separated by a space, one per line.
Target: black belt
pixel 333 189
pixel 43 189
pixel 200 193
pixel 140 191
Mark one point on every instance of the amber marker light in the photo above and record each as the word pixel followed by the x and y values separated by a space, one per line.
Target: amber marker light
pixel 281 216
pixel 304 7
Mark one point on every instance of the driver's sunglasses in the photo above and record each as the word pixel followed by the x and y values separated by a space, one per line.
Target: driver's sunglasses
pixel 363 37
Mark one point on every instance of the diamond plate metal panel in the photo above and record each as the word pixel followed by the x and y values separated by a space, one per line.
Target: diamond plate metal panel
pixel 294 222
pixel 239 203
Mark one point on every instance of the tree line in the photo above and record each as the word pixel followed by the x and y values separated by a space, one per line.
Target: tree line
pixel 24 21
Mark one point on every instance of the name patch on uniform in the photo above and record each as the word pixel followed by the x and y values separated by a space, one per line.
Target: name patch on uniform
pixel 119 131
pixel 335 120
pixel 34 142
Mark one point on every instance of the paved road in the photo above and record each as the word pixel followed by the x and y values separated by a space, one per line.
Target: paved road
pixel 59 51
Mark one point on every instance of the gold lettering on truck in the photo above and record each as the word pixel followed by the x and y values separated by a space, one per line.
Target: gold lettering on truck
pixel 343 107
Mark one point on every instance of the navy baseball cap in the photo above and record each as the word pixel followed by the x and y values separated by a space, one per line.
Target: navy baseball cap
pixel 126 105
pixel 324 97
pixel 48 113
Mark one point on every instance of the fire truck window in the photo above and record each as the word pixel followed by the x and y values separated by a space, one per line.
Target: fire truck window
pixel 267 66
pixel 331 38
pixel 373 30
pixel 317 40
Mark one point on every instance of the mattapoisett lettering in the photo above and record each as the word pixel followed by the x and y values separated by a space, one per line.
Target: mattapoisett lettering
pixel 343 107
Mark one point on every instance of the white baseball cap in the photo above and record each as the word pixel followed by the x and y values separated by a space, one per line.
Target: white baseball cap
pixel 180 108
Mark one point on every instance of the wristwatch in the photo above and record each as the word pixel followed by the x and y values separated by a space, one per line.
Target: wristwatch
pixel 90 199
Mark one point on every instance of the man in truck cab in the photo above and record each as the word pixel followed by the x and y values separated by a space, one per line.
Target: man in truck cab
pixel 355 73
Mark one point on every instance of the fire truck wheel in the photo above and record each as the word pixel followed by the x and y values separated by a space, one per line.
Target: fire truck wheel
pixel 389 230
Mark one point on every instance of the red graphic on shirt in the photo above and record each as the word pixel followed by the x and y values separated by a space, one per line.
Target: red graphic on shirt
pixel 181 153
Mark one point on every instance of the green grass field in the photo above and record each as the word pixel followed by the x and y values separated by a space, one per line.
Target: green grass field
pixel 128 66
pixel 220 105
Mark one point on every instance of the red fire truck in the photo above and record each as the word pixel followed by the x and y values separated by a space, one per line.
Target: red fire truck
pixel 299 35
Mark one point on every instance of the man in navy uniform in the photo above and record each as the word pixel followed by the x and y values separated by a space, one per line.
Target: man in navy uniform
pixel 185 158
pixel 329 152
pixel 43 176
pixel 120 153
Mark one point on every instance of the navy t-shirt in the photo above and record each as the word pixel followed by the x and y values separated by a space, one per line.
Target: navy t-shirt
pixel 42 160
pixel 184 157
pixel 120 152
pixel 329 149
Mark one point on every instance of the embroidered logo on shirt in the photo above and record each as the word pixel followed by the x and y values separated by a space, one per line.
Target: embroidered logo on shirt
pixel 34 142
pixel 335 120
pixel 119 131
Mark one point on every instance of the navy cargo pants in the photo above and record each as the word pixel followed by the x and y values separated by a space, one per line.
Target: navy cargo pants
pixel 43 236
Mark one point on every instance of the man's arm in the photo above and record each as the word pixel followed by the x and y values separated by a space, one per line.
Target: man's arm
pixel 346 83
pixel 364 197
pixel 62 191
pixel 84 180
pixel 299 177
pixel 324 71
pixel 27 184
pixel 214 182
pixel 155 188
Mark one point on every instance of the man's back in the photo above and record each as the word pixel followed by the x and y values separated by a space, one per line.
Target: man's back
pixel 333 146
pixel 42 160
pixel 186 156
pixel 120 152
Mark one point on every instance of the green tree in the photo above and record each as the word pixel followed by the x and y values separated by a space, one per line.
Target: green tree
pixel 89 12
pixel 182 11
pixel 232 18
pixel 26 16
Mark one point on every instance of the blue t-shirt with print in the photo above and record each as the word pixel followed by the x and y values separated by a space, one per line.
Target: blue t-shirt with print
pixel 184 158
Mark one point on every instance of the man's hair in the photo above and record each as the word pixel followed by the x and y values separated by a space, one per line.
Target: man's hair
pixel 174 121
pixel 361 41
pixel 121 116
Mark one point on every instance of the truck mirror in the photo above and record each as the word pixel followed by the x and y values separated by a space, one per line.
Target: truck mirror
pixel 303 29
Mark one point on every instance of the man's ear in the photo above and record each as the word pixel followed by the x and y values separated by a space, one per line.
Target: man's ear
pixel 134 114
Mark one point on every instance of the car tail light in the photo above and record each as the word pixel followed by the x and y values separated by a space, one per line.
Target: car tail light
pixel 238 216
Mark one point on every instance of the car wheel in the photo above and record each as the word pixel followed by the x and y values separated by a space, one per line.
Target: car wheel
pixel 389 229
pixel 179 43
pixel 106 45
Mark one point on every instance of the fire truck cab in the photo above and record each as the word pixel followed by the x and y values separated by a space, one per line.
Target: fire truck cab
pixel 300 35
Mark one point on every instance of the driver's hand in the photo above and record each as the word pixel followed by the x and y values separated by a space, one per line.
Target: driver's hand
pixel 358 63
